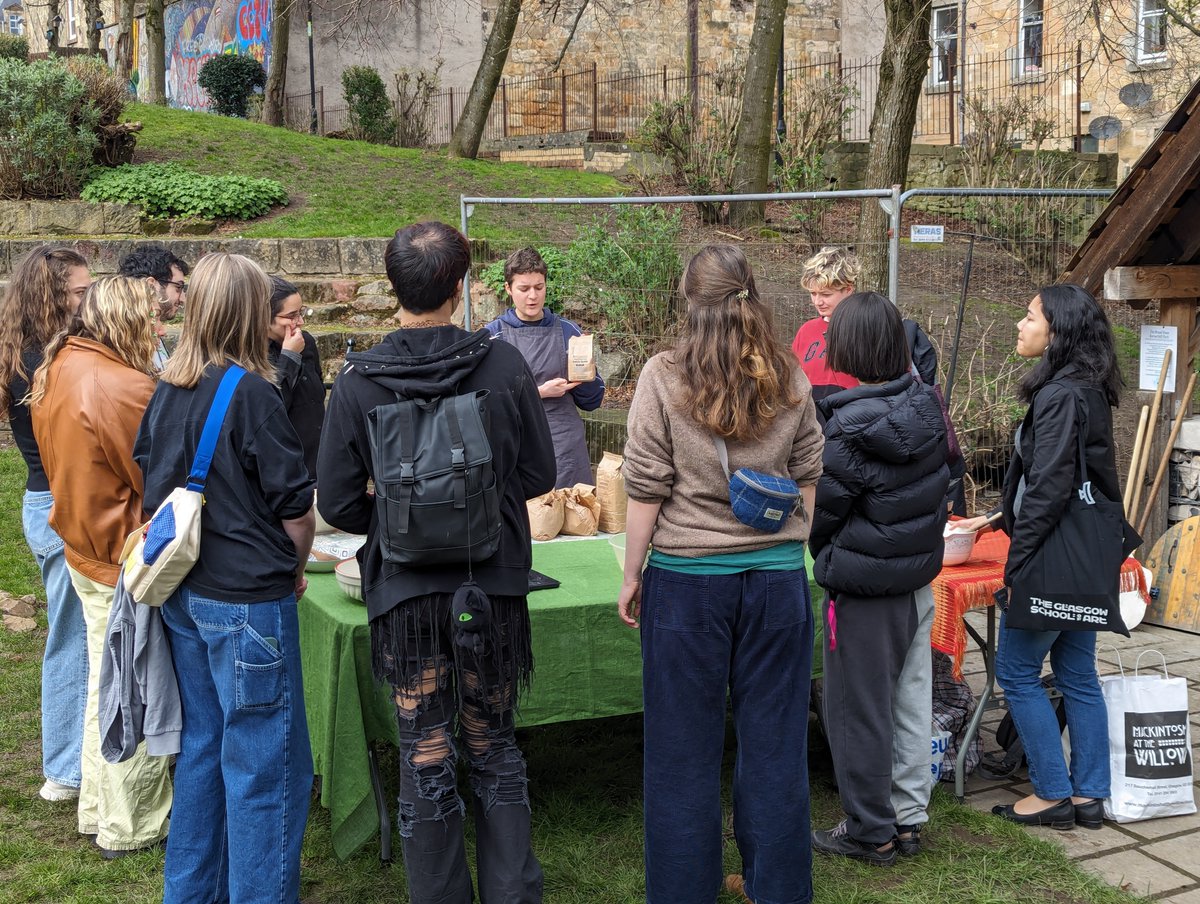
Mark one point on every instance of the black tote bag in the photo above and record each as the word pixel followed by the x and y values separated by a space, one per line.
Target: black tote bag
pixel 1072 580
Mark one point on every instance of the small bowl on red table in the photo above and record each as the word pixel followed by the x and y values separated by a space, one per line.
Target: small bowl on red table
pixel 959 544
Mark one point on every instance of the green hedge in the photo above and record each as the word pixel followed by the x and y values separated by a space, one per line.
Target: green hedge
pixel 169 190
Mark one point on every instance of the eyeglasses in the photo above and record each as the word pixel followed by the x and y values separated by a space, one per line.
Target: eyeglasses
pixel 300 314
pixel 177 283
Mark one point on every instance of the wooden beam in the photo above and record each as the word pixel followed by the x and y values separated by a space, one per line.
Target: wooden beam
pixel 1181 314
pixel 1125 283
pixel 1178 241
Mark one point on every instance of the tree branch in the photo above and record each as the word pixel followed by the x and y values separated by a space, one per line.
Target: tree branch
pixel 571 34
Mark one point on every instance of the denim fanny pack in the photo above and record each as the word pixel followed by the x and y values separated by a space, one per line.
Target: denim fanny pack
pixel 762 501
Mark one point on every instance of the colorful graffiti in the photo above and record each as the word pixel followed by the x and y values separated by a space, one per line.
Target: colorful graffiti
pixel 197 30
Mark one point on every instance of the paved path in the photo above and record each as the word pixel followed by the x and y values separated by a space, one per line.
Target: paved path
pixel 1159 858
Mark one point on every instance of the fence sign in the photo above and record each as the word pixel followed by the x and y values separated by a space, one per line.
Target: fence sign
pixel 928 234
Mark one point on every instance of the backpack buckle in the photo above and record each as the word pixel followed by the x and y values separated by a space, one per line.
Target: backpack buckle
pixel 406 472
pixel 458 459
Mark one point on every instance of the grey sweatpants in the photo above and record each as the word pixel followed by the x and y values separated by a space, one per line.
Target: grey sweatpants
pixel 879 710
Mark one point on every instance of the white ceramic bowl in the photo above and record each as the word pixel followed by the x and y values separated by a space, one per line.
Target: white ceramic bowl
pixel 959 545
pixel 349 579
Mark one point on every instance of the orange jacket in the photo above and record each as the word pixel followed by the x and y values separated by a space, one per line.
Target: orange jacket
pixel 85 426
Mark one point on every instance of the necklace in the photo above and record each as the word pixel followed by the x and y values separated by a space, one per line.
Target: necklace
pixel 422 324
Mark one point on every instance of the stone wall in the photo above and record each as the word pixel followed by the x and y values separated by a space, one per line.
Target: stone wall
pixel 68 218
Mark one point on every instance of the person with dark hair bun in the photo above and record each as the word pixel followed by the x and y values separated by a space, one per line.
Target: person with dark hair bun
pixel 1073 388
pixel 877 545
pixel 297 362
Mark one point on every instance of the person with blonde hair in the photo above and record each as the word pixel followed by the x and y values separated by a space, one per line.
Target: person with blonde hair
pixel 87 401
pixel 244 772
pixel 723 607
pixel 45 289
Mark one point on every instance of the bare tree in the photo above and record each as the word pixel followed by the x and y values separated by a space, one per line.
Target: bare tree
pixel 93 13
pixel 124 60
pixel 752 150
pixel 275 94
pixel 156 77
pixel 902 68
pixel 469 131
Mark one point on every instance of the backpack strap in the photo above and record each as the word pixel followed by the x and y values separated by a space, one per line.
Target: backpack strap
pixel 212 428
pixel 407 469
pixel 458 453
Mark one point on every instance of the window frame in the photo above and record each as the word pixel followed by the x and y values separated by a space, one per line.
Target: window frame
pixel 72 31
pixel 1143 16
pixel 938 54
pixel 1026 25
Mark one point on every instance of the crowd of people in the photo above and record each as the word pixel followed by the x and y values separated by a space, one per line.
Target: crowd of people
pixel 108 421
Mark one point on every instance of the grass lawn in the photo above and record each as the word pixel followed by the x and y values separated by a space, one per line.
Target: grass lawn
pixel 585 784
pixel 350 188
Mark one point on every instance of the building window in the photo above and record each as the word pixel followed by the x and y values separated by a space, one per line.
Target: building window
pixel 1151 30
pixel 15 25
pixel 944 28
pixel 72 34
pixel 1030 47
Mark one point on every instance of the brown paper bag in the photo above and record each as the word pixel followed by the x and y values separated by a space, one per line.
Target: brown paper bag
pixel 581 360
pixel 545 515
pixel 580 510
pixel 610 490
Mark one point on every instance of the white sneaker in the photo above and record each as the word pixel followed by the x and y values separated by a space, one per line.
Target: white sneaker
pixel 53 791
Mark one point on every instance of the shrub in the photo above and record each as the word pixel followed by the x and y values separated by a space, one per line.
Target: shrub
pixel 229 81
pixel 47 130
pixel 560 277
pixel 169 190
pixel 415 89
pixel 13 47
pixel 108 93
pixel 371 116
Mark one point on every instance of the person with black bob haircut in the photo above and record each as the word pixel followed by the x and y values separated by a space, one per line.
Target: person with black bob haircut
pixel 877 545
pixel 449 694
pixel 1073 387
pixel 297 362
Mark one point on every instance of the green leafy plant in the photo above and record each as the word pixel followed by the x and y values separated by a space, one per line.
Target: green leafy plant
pixel 371 117
pixel 229 81
pixel 13 47
pixel 560 277
pixel 47 130
pixel 168 190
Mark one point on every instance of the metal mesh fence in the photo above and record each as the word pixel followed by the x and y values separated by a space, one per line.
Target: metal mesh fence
pixel 1015 244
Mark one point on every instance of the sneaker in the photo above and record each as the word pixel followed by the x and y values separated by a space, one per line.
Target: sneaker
pixel 838 841
pixel 908 840
pixel 53 791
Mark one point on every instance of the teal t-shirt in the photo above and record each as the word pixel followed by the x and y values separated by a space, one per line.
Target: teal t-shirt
pixel 787 556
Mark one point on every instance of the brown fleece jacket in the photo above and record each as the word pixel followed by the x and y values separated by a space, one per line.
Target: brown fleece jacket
pixel 670 458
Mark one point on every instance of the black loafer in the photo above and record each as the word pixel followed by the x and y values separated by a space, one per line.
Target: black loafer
pixel 908 840
pixel 1061 816
pixel 1090 815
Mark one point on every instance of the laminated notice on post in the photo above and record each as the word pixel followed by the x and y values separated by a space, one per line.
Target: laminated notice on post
pixel 1155 342
pixel 927 234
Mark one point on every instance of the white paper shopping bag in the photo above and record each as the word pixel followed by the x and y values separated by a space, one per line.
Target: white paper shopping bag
pixel 1150 745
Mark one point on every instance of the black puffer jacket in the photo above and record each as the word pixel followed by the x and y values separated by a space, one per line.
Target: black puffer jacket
pixel 877 530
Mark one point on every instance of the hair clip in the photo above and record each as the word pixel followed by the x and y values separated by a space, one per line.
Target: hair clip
pixel 744 294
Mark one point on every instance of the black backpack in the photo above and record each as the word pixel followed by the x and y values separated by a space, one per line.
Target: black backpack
pixel 435 490
pixel 1006 763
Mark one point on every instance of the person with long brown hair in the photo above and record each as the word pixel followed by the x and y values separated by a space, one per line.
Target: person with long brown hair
pixel 44 291
pixel 87 401
pixel 723 607
pixel 244 772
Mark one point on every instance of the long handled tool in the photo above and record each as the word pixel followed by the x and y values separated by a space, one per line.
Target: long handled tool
pixel 1140 477
pixel 1135 459
pixel 1166 456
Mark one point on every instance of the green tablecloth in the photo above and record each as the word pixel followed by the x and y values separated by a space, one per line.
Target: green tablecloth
pixel 587 665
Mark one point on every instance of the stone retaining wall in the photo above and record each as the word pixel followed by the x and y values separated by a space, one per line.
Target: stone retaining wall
pixel 68 218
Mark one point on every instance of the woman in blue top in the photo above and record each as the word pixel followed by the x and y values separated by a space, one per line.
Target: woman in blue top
pixel 542 338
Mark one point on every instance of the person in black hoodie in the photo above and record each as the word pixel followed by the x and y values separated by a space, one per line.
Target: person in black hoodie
pixel 297 362
pixel 877 544
pixel 436 681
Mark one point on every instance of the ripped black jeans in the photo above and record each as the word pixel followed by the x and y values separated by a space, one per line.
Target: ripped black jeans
pixel 447 699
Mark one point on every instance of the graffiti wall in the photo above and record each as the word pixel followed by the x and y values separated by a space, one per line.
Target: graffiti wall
pixel 197 30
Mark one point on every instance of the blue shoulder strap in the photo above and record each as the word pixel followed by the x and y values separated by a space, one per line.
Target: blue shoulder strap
pixel 212 427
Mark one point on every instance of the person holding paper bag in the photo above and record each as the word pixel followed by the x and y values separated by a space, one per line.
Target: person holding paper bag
pixel 545 340
pixel 1072 389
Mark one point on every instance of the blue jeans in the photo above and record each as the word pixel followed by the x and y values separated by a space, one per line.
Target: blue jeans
pixel 65 663
pixel 244 773
pixel 748 636
pixel 1073 660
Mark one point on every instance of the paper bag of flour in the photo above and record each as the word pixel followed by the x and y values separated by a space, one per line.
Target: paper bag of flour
pixel 545 515
pixel 581 509
pixel 581 359
pixel 610 490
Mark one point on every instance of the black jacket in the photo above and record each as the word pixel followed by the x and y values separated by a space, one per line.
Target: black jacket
pixel 302 386
pixel 427 363
pixel 877 529
pixel 1047 458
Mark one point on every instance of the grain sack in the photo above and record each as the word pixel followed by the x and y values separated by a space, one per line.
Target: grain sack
pixel 545 515
pixel 581 509
pixel 581 359
pixel 610 490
